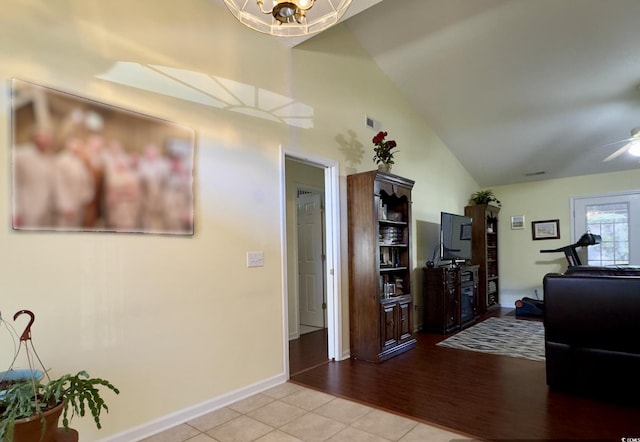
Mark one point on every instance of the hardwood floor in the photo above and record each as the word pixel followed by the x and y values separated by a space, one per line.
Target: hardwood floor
pixel 481 395
pixel 308 351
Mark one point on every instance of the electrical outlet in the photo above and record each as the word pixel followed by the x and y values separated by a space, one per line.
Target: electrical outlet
pixel 255 259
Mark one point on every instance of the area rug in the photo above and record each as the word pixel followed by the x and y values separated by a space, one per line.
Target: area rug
pixel 502 336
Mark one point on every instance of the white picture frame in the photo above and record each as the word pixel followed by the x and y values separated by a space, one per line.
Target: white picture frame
pixel 517 222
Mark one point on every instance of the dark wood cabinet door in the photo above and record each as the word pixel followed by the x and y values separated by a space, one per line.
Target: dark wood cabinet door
pixel 405 324
pixel 451 308
pixel 389 325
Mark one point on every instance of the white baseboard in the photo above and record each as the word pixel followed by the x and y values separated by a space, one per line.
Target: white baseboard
pixel 181 416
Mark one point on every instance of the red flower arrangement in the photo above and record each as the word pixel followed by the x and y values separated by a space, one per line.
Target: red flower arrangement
pixel 382 149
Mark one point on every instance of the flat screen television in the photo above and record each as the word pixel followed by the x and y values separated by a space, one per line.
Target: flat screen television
pixel 455 238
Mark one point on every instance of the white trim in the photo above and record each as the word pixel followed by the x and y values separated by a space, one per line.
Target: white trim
pixel 332 215
pixel 186 414
pixel 332 237
pixel 283 264
pixel 295 330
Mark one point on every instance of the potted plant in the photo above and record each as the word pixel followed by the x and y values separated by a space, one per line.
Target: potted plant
pixel 383 156
pixel 483 197
pixel 29 409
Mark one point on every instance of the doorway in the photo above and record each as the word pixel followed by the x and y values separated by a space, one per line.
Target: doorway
pixel 311 254
pixel 312 305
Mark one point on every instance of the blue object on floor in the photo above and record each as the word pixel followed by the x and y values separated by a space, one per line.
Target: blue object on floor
pixel 529 307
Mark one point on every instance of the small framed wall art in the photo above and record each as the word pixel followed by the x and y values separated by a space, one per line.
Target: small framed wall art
pixel 549 229
pixel 517 222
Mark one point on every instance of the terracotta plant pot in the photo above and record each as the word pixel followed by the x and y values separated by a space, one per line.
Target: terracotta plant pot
pixel 29 429
pixel 67 435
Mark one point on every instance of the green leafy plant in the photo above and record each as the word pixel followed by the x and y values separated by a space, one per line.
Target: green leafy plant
pixel 79 393
pixel 482 197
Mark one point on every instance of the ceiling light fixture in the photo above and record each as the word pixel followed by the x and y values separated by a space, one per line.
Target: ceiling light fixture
pixel 634 145
pixel 634 149
pixel 288 18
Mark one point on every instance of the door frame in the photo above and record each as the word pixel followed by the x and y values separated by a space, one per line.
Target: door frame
pixel 332 238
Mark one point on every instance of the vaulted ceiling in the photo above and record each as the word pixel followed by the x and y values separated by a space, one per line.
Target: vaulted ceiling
pixel 519 90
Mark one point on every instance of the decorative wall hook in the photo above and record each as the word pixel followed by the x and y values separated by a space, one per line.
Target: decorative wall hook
pixel 26 334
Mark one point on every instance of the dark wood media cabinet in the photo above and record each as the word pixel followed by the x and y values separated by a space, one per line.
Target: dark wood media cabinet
pixel 450 298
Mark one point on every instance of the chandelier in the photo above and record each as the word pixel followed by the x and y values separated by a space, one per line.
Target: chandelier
pixel 288 18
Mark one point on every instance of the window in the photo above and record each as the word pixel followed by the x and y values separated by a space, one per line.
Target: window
pixel 611 222
pixel 613 217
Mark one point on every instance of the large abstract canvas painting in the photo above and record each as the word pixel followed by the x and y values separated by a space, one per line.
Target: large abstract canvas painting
pixel 81 165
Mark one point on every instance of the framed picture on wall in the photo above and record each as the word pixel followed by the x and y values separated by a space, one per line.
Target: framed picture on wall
pixel 549 229
pixel 517 222
pixel 83 165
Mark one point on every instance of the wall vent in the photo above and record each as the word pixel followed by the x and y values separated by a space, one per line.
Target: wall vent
pixel 371 123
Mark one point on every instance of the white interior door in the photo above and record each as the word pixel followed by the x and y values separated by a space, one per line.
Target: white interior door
pixel 310 259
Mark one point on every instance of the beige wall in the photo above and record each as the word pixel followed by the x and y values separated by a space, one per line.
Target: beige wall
pixel 175 322
pixel 522 266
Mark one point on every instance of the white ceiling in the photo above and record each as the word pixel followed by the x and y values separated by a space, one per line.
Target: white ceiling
pixel 519 90
pixel 515 87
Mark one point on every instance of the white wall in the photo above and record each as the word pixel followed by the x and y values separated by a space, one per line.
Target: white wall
pixel 175 322
pixel 522 266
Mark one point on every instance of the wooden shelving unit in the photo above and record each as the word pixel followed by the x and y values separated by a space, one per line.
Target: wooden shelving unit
pixel 484 240
pixel 380 299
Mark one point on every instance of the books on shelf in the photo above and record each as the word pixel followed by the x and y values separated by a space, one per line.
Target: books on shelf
pixel 389 257
pixel 390 235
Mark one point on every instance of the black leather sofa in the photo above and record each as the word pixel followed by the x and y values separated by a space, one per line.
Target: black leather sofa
pixel 592 331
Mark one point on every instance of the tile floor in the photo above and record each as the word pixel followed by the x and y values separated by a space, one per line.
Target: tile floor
pixel 289 413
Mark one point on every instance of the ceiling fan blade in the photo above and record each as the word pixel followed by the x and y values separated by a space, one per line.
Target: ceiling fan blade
pixel 626 141
pixel 619 152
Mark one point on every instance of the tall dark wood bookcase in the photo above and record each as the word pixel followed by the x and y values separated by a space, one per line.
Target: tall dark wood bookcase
pixel 484 242
pixel 380 299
